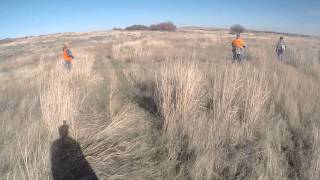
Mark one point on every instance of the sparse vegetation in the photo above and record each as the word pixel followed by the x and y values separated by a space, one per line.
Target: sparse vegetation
pixel 165 26
pixel 117 29
pixel 159 105
pixel 137 27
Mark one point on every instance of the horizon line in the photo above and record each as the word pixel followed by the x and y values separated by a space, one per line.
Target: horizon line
pixel 178 27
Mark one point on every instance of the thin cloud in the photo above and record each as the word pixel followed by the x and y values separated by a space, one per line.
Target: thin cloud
pixel 314 12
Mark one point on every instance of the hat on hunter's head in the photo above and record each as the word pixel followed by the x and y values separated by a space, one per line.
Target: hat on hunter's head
pixel 63 130
pixel 66 44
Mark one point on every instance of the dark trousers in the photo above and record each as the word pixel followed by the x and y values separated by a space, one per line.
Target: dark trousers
pixel 280 55
pixel 68 65
pixel 238 57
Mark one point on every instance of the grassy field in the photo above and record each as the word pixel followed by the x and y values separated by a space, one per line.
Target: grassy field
pixel 162 105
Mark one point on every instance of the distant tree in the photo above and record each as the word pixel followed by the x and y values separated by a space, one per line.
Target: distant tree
pixel 153 27
pixel 165 26
pixel 237 29
pixel 116 29
pixel 137 27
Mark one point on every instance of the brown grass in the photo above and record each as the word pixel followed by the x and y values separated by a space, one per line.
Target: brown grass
pixel 155 105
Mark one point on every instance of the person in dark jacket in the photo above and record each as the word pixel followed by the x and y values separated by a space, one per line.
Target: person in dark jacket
pixel 280 48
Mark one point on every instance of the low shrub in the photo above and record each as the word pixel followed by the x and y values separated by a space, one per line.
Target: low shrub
pixel 165 26
pixel 137 27
pixel 237 29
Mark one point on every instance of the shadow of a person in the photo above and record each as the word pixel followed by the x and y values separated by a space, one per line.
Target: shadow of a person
pixel 67 159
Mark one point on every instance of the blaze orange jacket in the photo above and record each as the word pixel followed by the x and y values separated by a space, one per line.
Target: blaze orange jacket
pixel 66 55
pixel 238 43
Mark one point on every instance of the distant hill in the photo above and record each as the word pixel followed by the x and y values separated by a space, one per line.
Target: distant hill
pixel 6 40
pixel 249 31
pixel 202 28
pixel 181 29
pixel 280 33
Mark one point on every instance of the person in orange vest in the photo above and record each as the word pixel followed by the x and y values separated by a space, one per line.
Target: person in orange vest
pixel 67 57
pixel 238 45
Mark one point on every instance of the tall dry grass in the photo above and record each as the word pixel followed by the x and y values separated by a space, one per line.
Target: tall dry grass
pixel 60 93
pixel 206 111
pixel 153 105
pixel 54 96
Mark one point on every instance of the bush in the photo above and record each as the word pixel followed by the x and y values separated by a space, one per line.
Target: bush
pixel 237 29
pixel 166 26
pixel 117 29
pixel 137 27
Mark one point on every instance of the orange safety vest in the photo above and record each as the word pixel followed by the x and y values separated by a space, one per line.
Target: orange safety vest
pixel 66 57
pixel 239 43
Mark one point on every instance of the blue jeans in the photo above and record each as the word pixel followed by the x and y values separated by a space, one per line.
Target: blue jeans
pixel 280 56
pixel 238 57
pixel 67 65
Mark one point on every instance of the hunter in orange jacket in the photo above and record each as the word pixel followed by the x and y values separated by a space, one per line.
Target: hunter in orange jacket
pixel 238 45
pixel 67 56
pixel 238 42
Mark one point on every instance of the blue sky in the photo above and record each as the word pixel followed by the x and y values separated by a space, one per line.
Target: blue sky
pixel 34 17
